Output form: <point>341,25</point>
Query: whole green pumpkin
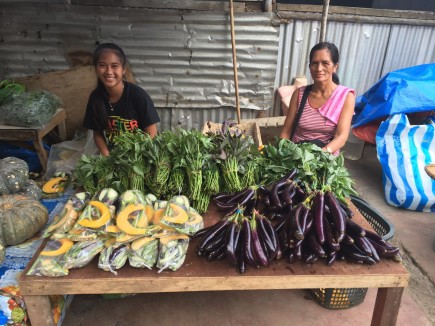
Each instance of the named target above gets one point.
<point>14,173</point>
<point>20,218</point>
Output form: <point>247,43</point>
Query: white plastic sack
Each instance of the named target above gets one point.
<point>403,151</point>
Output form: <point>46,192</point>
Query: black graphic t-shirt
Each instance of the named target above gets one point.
<point>135,109</point>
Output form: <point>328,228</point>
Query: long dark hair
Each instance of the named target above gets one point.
<point>335,56</point>
<point>100,92</point>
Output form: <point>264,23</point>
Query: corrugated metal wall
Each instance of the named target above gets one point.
<point>183,58</point>
<point>367,51</point>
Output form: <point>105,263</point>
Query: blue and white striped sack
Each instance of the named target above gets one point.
<point>403,151</point>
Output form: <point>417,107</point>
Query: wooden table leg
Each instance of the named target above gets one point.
<point>42,154</point>
<point>387,306</point>
<point>39,310</point>
<point>62,130</point>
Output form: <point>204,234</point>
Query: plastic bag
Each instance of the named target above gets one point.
<point>63,157</point>
<point>403,151</point>
<point>51,265</point>
<point>172,251</point>
<point>82,253</point>
<point>30,109</point>
<point>113,257</point>
<point>143,253</point>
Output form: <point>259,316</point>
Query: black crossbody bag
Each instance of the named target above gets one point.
<point>298,116</point>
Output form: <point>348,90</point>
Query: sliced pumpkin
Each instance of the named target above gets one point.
<point>112,229</point>
<point>102,220</point>
<point>194,217</point>
<point>139,243</point>
<point>157,217</point>
<point>149,211</point>
<point>55,185</point>
<point>66,245</point>
<point>175,214</point>
<point>109,242</point>
<point>123,223</point>
<point>166,239</point>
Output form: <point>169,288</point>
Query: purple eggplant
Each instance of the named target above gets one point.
<point>232,237</point>
<point>316,247</point>
<point>363,246</point>
<point>248,252</point>
<point>210,235</point>
<point>355,229</point>
<point>318,209</point>
<point>329,237</point>
<point>256,244</point>
<point>336,213</point>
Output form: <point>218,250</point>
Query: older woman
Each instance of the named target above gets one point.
<point>326,115</point>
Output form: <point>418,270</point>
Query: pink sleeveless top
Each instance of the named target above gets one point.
<point>321,123</point>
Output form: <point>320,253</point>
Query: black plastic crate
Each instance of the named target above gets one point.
<point>343,298</point>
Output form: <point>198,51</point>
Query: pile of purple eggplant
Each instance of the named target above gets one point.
<point>286,220</point>
<point>241,240</point>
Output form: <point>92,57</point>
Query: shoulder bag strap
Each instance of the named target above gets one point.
<point>301,108</point>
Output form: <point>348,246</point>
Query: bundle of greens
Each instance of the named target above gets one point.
<point>236,157</point>
<point>317,170</point>
<point>128,157</point>
<point>158,163</point>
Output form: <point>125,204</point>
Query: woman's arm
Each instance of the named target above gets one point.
<point>151,130</point>
<point>290,117</point>
<point>344,124</point>
<point>100,141</point>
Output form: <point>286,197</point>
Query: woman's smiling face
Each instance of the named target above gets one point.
<point>109,69</point>
<point>321,66</point>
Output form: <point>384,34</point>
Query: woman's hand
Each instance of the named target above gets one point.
<point>100,141</point>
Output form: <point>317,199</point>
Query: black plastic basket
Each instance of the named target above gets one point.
<point>343,298</point>
<point>379,223</point>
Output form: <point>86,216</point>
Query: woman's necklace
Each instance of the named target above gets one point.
<point>112,106</point>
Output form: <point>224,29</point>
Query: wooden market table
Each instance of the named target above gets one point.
<point>197,274</point>
<point>15,133</point>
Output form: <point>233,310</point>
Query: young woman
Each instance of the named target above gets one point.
<point>115,105</point>
<point>329,108</point>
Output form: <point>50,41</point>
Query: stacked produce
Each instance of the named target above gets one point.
<point>131,227</point>
<point>280,200</point>
<point>308,208</point>
<point>174,163</point>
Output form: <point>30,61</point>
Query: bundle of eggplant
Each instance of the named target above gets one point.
<point>241,240</point>
<point>286,219</point>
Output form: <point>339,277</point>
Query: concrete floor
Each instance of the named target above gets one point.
<point>415,233</point>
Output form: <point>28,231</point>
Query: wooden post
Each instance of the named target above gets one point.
<point>233,45</point>
<point>324,20</point>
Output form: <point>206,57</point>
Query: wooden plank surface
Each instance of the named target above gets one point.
<point>197,274</point>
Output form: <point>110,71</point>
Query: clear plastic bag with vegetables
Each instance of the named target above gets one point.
<point>113,257</point>
<point>30,109</point>
<point>50,261</point>
<point>172,251</point>
<point>82,253</point>
<point>69,214</point>
<point>144,252</point>
<point>96,216</point>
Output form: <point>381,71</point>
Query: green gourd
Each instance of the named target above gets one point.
<point>20,218</point>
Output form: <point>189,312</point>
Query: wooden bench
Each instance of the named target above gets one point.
<point>20,134</point>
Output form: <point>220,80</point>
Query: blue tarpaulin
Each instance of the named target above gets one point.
<point>406,90</point>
